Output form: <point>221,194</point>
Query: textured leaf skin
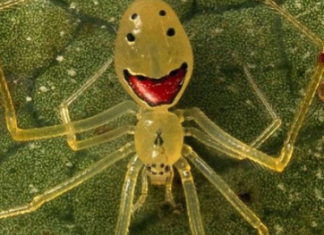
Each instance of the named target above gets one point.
<point>35,36</point>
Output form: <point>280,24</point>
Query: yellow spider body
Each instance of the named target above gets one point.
<point>154,63</point>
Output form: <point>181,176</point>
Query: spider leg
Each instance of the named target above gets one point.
<point>144,192</point>
<point>131,107</point>
<point>71,183</point>
<point>168,189</point>
<point>234,145</point>
<point>309,96</point>
<point>127,196</point>
<point>276,122</point>
<point>11,3</point>
<point>313,84</point>
<point>218,183</point>
<point>57,130</point>
<point>195,221</point>
<point>209,141</point>
<point>308,33</point>
<point>103,138</point>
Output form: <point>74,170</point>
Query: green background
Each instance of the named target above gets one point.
<point>224,35</point>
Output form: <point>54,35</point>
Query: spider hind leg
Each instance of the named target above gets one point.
<point>225,190</point>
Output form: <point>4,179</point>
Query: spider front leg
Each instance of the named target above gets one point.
<point>111,114</point>
<point>271,128</point>
<point>276,122</point>
<point>127,196</point>
<point>209,141</point>
<point>318,42</point>
<point>236,147</point>
<point>11,3</point>
<point>71,183</point>
<point>86,124</point>
<point>218,183</point>
<point>232,146</point>
<point>313,84</point>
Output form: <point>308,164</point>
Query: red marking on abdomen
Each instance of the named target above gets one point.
<point>158,91</point>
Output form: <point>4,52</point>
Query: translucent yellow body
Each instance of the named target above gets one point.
<point>154,63</point>
<point>143,47</point>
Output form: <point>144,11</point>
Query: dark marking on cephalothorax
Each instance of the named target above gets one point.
<point>153,169</point>
<point>158,140</point>
<point>148,168</point>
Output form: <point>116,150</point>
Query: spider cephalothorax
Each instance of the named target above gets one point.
<point>158,142</point>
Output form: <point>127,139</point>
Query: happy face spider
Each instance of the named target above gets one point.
<point>155,68</point>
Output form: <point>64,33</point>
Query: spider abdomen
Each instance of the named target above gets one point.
<point>158,142</point>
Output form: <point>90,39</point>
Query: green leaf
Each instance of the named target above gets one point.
<point>50,48</point>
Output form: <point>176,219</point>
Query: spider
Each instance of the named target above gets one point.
<point>154,63</point>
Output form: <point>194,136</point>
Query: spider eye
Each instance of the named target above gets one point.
<point>130,37</point>
<point>162,13</point>
<point>171,32</point>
